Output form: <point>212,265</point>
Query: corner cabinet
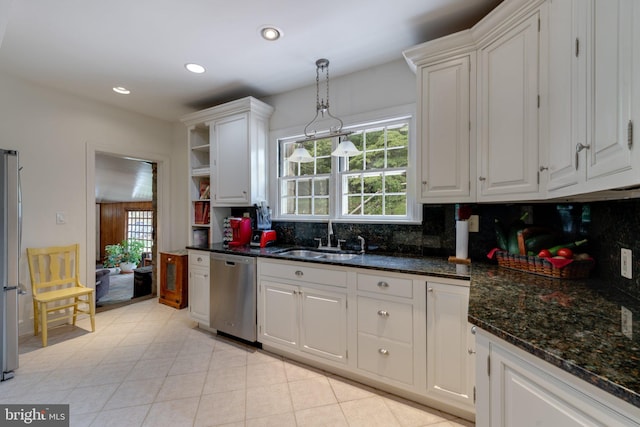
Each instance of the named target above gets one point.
<point>199,287</point>
<point>514,386</point>
<point>227,160</point>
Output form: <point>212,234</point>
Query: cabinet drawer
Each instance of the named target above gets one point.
<point>385,285</point>
<point>302,273</point>
<point>386,319</point>
<point>386,358</point>
<point>199,259</point>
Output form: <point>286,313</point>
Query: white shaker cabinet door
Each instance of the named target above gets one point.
<point>323,324</point>
<point>199,292</point>
<point>444,129</point>
<point>231,152</point>
<point>609,74</point>
<point>508,118</point>
<point>279,313</point>
<point>450,350</point>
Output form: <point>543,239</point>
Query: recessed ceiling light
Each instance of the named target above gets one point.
<point>270,33</point>
<point>195,68</point>
<point>121,90</point>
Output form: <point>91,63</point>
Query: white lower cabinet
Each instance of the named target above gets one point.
<point>294,314</point>
<point>450,344</point>
<point>515,388</point>
<point>373,326</point>
<point>199,287</point>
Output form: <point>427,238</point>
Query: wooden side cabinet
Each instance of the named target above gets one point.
<point>173,279</point>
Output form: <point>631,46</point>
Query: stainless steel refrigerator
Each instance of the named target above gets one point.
<point>10,218</point>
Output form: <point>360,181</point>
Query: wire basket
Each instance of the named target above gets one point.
<point>577,269</point>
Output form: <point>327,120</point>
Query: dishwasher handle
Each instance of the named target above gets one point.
<point>230,263</point>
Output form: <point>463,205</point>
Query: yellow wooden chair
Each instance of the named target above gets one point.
<point>54,278</point>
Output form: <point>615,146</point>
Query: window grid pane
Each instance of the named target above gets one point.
<point>140,227</point>
<point>373,183</point>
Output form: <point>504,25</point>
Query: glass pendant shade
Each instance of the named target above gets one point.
<point>300,155</point>
<point>346,148</point>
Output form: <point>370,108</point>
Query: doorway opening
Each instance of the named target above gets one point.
<point>126,209</point>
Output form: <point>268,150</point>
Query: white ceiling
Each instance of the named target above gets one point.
<point>86,47</point>
<point>122,180</point>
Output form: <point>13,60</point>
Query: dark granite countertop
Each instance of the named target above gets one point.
<point>572,324</point>
<point>437,267</point>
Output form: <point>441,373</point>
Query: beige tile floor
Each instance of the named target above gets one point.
<point>149,365</point>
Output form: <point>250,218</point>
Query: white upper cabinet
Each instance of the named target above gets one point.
<point>239,153</point>
<point>444,129</point>
<point>238,133</point>
<point>566,91</point>
<point>508,81</point>
<point>592,49</point>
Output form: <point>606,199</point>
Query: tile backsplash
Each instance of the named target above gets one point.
<point>608,226</point>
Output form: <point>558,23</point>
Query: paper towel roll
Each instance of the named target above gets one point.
<point>462,239</point>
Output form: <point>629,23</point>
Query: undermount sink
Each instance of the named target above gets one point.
<point>309,253</point>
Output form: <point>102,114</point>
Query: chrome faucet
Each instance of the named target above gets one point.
<point>329,237</point>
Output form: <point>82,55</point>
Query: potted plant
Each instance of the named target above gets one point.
<point>126,255</point>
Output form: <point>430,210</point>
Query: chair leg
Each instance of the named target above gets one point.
<point>77,301</point>
<point>36,318</point>
<point>43,317</point>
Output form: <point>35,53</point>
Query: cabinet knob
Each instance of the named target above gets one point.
<point>482,178</point>
<point>474,329</point>
<point>471,351</point>
<point>383,351</point>
<point>383,284</point>
<point>430,289</point>
<point>169,259</point>
<point>383,313</point>
<point>299,273</point>
<point>544,168</point>
<point>199,259</point>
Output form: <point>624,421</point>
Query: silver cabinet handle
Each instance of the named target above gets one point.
<point>382,284</point>
<point>579,148</point>
<point>383,313</point>
<point>299,273</point>
<point>474,329</point>
<point>383,351</point>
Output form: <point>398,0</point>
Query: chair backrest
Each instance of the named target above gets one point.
<point>53,267</point>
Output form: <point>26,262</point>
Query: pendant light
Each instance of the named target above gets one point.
<point>345,147</point>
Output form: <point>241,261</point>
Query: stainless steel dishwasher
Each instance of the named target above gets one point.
<point>233,295</point>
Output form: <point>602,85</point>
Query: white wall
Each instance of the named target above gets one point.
<point>372,94</point>
<point>56,135</point>
<point>376,88</point>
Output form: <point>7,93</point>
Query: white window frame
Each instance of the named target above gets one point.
<point>372,119</point>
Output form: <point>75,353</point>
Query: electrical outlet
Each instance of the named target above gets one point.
<point>474,224</point>
<point>626,319</point>
<point>626,263</point>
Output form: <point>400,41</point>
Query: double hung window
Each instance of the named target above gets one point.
<point>372,186</point>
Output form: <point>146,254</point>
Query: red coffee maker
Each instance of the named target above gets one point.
<point>241,231</point>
